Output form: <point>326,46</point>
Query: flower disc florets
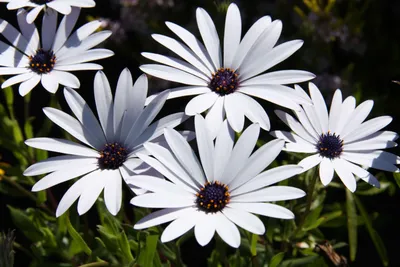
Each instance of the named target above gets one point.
<point>41,2</point>
<point>112,156</point>
<point>224,81</point>
<point>330,145</point>
<point>212,197</point>
<point>42,62</point>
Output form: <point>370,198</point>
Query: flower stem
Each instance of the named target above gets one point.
<point>310,193</point>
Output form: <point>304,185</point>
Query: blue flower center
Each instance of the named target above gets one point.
<point>41,2</point>
<point>212,197</point>
<point>224,81</point>
<point>42,62</point>
<point>112,156</point>
<point>330,145</point>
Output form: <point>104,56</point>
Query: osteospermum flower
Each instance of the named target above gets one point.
<point>109,153</point>
<point>48,60</point>
<point>62,6</point>
<point>341,140</point>
<point>226,189</point>
<point>226,85</point>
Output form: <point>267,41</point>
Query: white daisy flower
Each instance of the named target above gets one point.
<point>224,189</point>
<point>340,140</point>
<point>62,6</point>
<point>109,153</point>
<point>50,59</point>
<point>225,86</point>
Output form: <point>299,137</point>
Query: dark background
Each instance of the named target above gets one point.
<point>355,46</point>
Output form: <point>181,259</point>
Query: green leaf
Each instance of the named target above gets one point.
<point>376,239</point>
<point>351,224</point>
<point>253,248</point>
<point>373,190</point>
<point>397,178</point>
<point>124,246</point>
<point>147,253</point>
<point>25,224</point>
<point>75,235</point>
<point>276,259</point>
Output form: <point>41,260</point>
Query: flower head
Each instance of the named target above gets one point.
<point>110,149</point>
<point>226,84</point>
<point>50,58</point>
<point>341,140</point>
<point>224,189</point>
<point>62,6</point>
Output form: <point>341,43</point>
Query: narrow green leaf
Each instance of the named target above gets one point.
<point>25,224</point>
<point>276,259</point>
<point>351,224</point>
<point>376,239</point>
<point>397,178</point>
<point>147,253</point>
<point>75,235</point>
<point>124,246</point>
<point>253,248</point>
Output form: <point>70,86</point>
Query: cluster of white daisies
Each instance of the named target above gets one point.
<point>226,185</point>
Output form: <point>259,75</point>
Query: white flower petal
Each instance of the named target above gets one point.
<point>89,195</point>
<point>50,82</point>
<point>13,71</point>
<point>172,74</point>
<point>157,185</point>
<point>201,103</point>
<point>357,117</point>
<point>210,36</point>
<point>91,55</point>
<point>320,107</point>
<point>296,127</point>
<point>373,143</point>
<point>362,173</point>
<point>77,67</point>
<point>334,112</point>
<point>182,91</point>
<point>272,193</point>
<point>206,147</point>
<point>61,146</point>
<point>15,37</point>
<point>18,79</point>
<point>57,164</point>
<point>66,78</point>
<point>369,127</point>
<point>29,31</point>
<point>257,162</point>
<point>104,104</point>
<point>60,7</point>
<point>234,111</point>
<point>255,112</point>
<point>326,171</point>
<point>112,190</point>
<point>265,209</point>
<point>205,228</point>
<point>124,85</point>
<point>180,226</point>
<point>185,155</point>
<point>176,63</point>
<point>267,178</point>
<point>27,86</point>
<point>223,147</point>
<point>227,230</point>
<point>32,15</point>
<point>249,39</point>
<point>346,111</point>
<point>85,115</point>
<point>61,176</point>
<point>161,216</point>
<point>310,162</point>
<point>345,174</point>
<point>215,117</point>
<point>81,34</point>
<point>245,220</point>
<point>183,51</point>
<point>65,29</point>
<point>49,27</point>
<point>270,59</point>
<point>371,160</point>
<point>240,153</point>
<point>190,40</point>
<point>280,77</point>
<point>162,200</point>
<point>232,34</point>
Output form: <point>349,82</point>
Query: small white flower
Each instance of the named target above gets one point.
<point>50,58</point>
<point>62,6</point>
<point>226,85</point>
<point>341,139</point>
<point>111,145</point>
<point>222,191</point>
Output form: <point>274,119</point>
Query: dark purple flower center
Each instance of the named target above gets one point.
<point>112,156</point>
<point>42,62</point>
<point>41,2</point>
<point>224,81</point>
<point>212,197</point>
<point>330,145</point>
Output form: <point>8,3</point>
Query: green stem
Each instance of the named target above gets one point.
<point>95,264</point>
<point>310,193</point>
<point>25,192</point>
